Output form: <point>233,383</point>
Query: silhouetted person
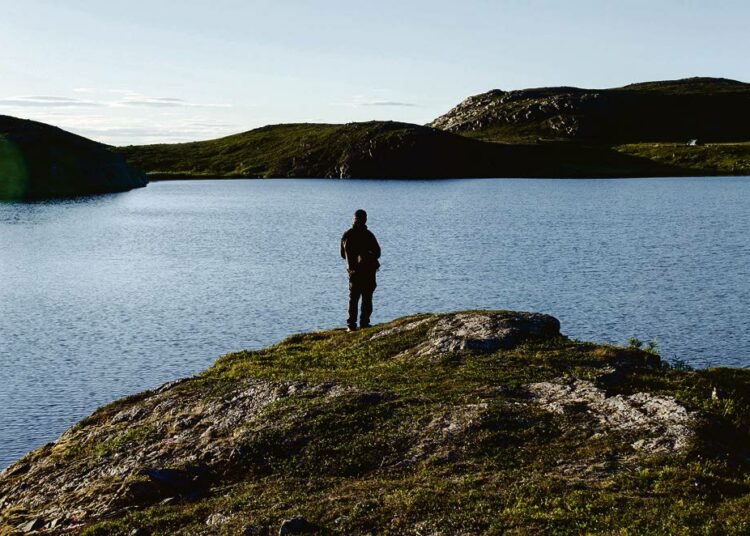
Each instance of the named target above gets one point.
<point>361,250</point>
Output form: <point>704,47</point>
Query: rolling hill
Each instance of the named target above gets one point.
<point>379,149</point>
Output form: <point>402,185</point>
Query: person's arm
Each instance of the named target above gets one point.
<point>347,254</point>
<point>375,246</point>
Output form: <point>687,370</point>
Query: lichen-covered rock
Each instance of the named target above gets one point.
<point>662,423</point>
<point>165,444</point>
<point>444,432</point>
<point>486,331</point>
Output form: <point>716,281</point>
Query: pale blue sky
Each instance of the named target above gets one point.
<point>146,71</point>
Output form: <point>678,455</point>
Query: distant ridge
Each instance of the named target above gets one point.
<point>695,84</point>
<point>40,161</point>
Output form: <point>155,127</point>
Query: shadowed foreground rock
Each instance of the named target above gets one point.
<point>463,423</point>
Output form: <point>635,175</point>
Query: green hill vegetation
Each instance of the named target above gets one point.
<point>41,161</point>
<point>709,159</point>
<point>383,150</point>
<point>373,149</point>
<point>480,422</point>
<point>637,130</point>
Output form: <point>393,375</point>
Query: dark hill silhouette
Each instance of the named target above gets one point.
<point>41,161</point>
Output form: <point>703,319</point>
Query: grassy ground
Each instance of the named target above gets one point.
<point>709,159</point>
<point>376,460</point>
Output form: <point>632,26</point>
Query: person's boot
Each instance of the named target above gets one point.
<point>349,329</point>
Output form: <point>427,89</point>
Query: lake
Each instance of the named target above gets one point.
<point>105,296</point>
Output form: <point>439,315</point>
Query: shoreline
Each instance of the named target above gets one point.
<point>166,177</point>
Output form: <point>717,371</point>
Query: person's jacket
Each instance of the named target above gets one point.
<point>360,249</point>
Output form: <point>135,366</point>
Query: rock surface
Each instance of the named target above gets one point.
<point>171,428</point>
<point>486,331</point>
<point>660,423</point>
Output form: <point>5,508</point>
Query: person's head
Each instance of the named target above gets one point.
<point>360,217</point>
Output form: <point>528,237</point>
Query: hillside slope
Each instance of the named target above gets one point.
<point>373,149</point>
<point>41,161</point>
<point>707,109</point>
<point>380,149</point>
<point>467,423</point>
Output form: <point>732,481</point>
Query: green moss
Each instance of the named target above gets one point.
<point>129,439</point>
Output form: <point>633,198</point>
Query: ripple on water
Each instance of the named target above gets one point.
<point>105,296</point>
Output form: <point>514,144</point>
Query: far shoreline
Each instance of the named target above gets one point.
<point>158,177</point>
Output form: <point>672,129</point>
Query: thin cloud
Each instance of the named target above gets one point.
<point>388,103</point>
<point>361,101</point>
<point>124,98</point>
<point>46,101</point>
<point>128,131</point>
<point>164,102</point>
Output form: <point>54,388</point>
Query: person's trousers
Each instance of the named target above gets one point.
<point>363,289</point>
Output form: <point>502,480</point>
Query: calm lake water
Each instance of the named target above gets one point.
<point>105,296</point>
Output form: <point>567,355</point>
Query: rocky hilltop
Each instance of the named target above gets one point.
<point>706,109</point>
<point>465,423</point>
<point>42,161</point>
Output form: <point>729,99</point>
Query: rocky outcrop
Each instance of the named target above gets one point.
<point>40,161</point>
<point>559,108</point>
<point>388,429</point>
<point>486,331</point>
<point>705,108</point>
<point>182,441</point>
<point>659,424</point>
